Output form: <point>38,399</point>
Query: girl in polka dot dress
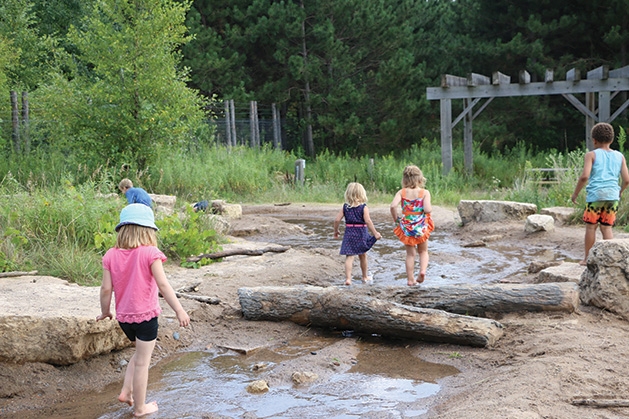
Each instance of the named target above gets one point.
<point>356,240</point>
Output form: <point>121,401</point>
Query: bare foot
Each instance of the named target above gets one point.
<point>583,262</point>
<point>147,410</point>
<point>348,282</point>
<point>411,283</point>
<point>421,278</point>
<point>367,279</point>
<point>125,397</point>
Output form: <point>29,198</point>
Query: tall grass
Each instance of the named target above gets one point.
<point>53,217</point>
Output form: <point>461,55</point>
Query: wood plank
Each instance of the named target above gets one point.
<point>500,78</point>
<point>573,74</point>
<point>549,76</point>
<point>531,89</point>
<point>342,308</point>
<point>524,77</point>
<point>600,73</point>
<point>622,72</point>
<point>448,80</point>
<point>475,79</point>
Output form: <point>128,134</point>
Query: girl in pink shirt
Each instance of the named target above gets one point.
<point>133,271</point>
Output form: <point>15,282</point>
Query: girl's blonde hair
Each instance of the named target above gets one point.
<point>131,236</point>
<point>355,194</point>
<point>413,177</point>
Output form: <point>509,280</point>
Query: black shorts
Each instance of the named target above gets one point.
<point>145,331</point>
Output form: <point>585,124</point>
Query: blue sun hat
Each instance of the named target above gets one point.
<point>138,214</point>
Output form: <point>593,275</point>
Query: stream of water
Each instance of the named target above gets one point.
<point>387,381</point>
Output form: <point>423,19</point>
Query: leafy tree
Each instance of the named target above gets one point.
<point>126,98</point>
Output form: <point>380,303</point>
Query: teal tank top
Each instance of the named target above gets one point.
<point>603,183</point>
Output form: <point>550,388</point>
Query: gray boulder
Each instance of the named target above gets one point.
<point>491,211</point>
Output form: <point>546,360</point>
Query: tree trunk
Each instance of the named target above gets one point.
<point>233,252</point>
<point>476,300</point>
<point>340,308</point>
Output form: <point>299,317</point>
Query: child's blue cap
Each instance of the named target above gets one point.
<point>138,214</point>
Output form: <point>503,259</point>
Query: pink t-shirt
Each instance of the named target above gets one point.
<point>135,289</point>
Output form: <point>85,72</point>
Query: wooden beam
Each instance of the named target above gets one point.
<point>474,79</point>
<point>449,81</point>
<point>622,72</point>
<point>573,74</point>
<point>549,76</point>
<point>530,89</point>
<point>600,73</point>
<point>499,78</point>
<point>524,77</point>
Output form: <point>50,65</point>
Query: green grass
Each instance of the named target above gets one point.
<point>53,216</point>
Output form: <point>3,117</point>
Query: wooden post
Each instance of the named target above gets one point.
<point>604,106</point>
<point>446,135</point>
<point>228,132</point>
<point>252,124</point>
<point>467,138</point>
<point>277,133</point>
<point>15,117</point>
<point>590,103</point>
<point>300,168</point>
<point>232,122</point>
<point>25,123</point>
<point>256,120</point>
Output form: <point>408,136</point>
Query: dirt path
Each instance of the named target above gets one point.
<point>538,367</point>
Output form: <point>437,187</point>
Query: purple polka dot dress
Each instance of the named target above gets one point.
<point>356,239</point>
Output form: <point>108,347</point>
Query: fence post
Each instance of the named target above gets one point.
<point>25,123</point>
<point>232,121</point>
<point>15,117</point>
<point>300,168</point>
<point>228,132</point>
<point>277,135</point>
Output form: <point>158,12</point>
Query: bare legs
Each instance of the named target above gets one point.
<point>590,238</point>
<point>422,250</point>
<point>349,262</point>
<point>136,379</point>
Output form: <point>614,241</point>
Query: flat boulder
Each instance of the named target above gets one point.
<point>46,319</point>
<point>565,272</point>
<point>562,215</point>
<point>605,281</point>
<point>492,211</point>
<point>164,203</point>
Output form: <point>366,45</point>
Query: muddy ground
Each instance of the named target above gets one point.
<point>541,365</point>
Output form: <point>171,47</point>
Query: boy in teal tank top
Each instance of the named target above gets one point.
<point>601,169</point>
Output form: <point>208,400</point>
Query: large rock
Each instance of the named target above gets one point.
<point>566,272</point>
<point>539,222</point>
<point>46,319</point>
<point>490,211</point>
<point>562,215</point>
<point>164,203</point>
<point>605,282</point>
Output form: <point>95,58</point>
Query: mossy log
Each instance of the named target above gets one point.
<point>344,309</point>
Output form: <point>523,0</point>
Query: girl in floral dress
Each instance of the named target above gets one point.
<point>413,228</point>
<point>356,240</point>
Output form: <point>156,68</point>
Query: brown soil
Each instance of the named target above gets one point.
<point>536,370</point>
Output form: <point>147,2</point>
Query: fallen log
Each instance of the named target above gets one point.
<point>200,298</point>
<point>340,308</point>
<point>16,273</point>
<point>477,300</point>
<point>601,402</point>
<point>234,252</point>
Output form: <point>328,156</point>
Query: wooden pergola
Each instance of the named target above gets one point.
<point>600,86</point>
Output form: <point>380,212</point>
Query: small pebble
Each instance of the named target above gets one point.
<point>176,335</point>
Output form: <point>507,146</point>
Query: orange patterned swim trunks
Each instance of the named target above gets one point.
<point>603,212</point>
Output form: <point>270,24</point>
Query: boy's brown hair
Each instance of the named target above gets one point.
<point>125,184</point>
<point>603,133</point>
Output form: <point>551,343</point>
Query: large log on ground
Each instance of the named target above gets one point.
<point>477,300</point>
<point>342,308</point>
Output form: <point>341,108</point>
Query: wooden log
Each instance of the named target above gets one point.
<point>477,300</point>
<point>200,298</point>
<point>339,308</point>
<point>16,273</point>
<point>234,252</point>
<point>601,402</point>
